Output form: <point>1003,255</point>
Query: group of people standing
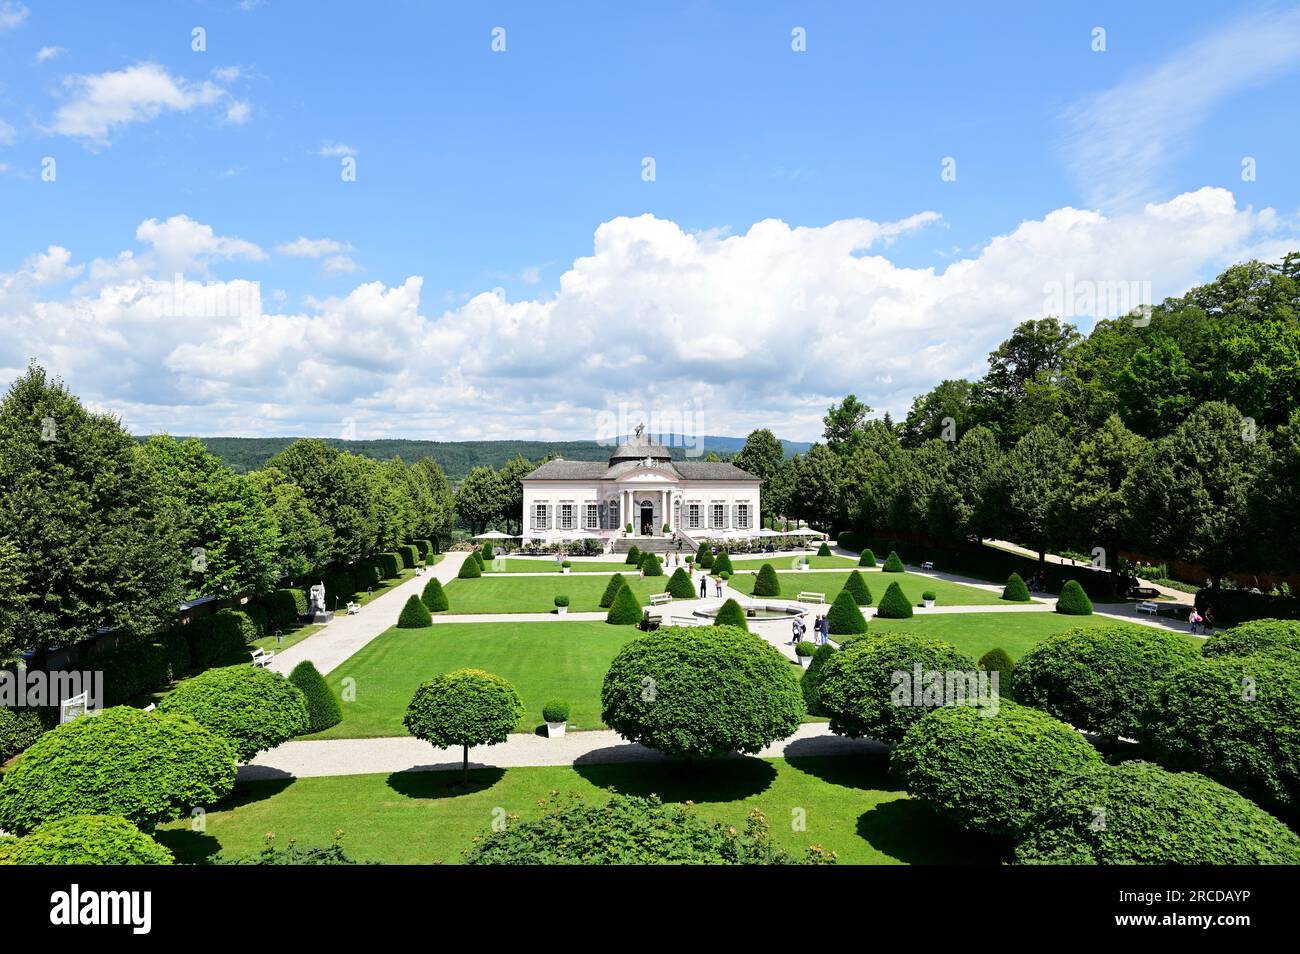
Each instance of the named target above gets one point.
<point>821,630</point>
<point>1201,621</point>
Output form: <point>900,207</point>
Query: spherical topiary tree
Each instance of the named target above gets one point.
<point>464,707</point>
<point>253,708</point>
<point>1258,637</point>
<point>1015,590</point>
<point>844,617</point>
<point>987,768</point>
<point>679,585</point>
<point>1137,813</point>
<point>323,708</point>
<point>147,767</point>
<point>1073,601</point>
<point>469,570</point>
<point>633,556</point>
<point>857,587</point>
<point>867,558</point>
<point>434,596</point>
<point>704,556</point>
<point>730,614</point>
<point>894,604</point>
<point>722,564</point>
<point>626,608</point>
<point>1233,718</point>
<point>650,565</point>
<point>767,583</point>
<point>415,615</point>
<point>812,677</point>
<point>616,583</point>
<point>999,661</point>
<point>893,564</point>
<point>697,692</point>
<point>1100,679</point>
<point>868,688</point>
<point>85,840</point>
<point>824,550</point>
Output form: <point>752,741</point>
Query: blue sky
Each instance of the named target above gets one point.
<point>478,169</point>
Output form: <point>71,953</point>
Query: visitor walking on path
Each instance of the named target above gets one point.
<point>1207,620</point>
<point>798,629</point>
<point>704,585</point>
<point>824,629</point>
<point>1194,619</point>
<point>717,587</point>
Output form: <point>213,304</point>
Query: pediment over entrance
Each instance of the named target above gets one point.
<point>647,475</point>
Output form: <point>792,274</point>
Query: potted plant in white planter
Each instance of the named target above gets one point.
<point>561,605</point>
<point>564,567</point>
<point>556,716</point>
<point>928,598</point>
<point>805,651</point>
<point>804,564</point>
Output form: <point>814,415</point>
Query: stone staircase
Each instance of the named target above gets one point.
<point>647,544</point>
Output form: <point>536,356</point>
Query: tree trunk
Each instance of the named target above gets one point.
<point>1042,560</point>
<point>465,766</point>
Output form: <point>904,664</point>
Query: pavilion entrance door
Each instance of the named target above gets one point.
<point>647,519</point>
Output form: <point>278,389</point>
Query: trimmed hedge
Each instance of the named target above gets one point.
<point>424,548</point>
<point>1240,606</point>
<point>651,566</point>
<point>1259,637</point>
<point>1073,601</point>
<point>767,583</point>
<point>626,609</point>
<point>824,550</point>
<point>812,678</point>
<point>434,596</point>
<point>730,614</point>
<point>217,638</point>
<point>679,585</point>
<point>285,606</point>
<point>85,840</point>
<point>893,564</point>
<point>323,709</point>
<point>1139,814</point>
<point>19,728</point>
<point>366,575</point>
<point>340,587</point>
<point>410,555</point>
<point>1233,718</point>
<point>1015,591</point>
<point>704,556</point>
<point>616,583</point>
<point>1100,679</point>
<point>415,615</point>
<point>867,559</point>
<point>999,661</point>
<point>844,617</point>
<point>253,708</point>
<point>470,570</point>
<point>132,669</point>
<point>857,587</point>
<point>257,616</point>
<point>390,564</point>
<point>633,556</point>
<point>894,604</point>
<point>722,564</point>
<point>987,769</point>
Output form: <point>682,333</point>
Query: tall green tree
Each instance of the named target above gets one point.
<point>1030,360</point>
<point>1029,480</point>
<point>336,492</point>
<point>478,501</point>
<point>761,456</point>
<point>511,476</point>
<point>963,503</point>
<point>944,409</point>
<point>304,542</point>
<point>844,423</point>
<point>442,501</point>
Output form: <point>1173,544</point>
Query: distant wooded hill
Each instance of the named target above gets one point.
<point>455,457</point>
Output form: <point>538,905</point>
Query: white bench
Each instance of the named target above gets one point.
<point>262,657</point>
<point>685,621</point>
<point>927,565</point>
<point>1148,607</point>
<point>658,599</point>
<point>809,597</point>
<point>354,609</point>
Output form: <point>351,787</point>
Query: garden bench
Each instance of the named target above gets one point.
<point>354,609</point>
<point>927,565</point>
<point>1143,591</point>
<point>1148,607</point>
<point>261,657</point>
<point>658,599</point>
<point>685,621</point>
<point>808,596</point>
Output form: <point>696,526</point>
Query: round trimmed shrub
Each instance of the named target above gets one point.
<point>253,708</point>
<point>323,709</point>
<point>1100,679</point>
<point>730,614</point>
<point>805,648</point>
<point>85,840</point>
<point>697,692</point>
<point>987,768</point>
<point>680,586</point>
<point>147,767</point>
<point>722,564</point>
<point>866,687</point>
<point>633,556</point>
<point>812,677</point>
<point>867,559</point>
<point>555,711</point>
<point>767,583</point>
<point>651,566</point>
<point>415,615</point>
<point>857,587</point>
<point>469,570</point>
<point>561,601</point>
<point>1258,637</point>
<point>616,583</point>
<point>434,596</point>
<point>999,661</point>
<point>893,564</point>
<point>1139,814</point>
<point>844,617</point>
<point>704,556</point>
<point>464,707</point>
<point>1015,591</point>
<point>626,608</point>
<point>824,550</point>
<point>894,604</point>
<point>19,728</point>
<point>1073,601</point>
<point>1235,719</point>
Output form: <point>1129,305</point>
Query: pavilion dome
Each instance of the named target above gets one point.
<point>638,447</point>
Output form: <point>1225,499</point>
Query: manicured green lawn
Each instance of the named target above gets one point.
<point>544,661</point>
<point>787,561</point>
<point>977,633</point>
<point>536,594</point>
<point>950,594</point>
<point>848,803</point>
<point>517,565</point>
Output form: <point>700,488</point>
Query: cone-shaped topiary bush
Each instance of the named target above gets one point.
<point>434,596</point>
<point>812,678</point>
<point>415,615</point>
<point>651,566</point>
<point>1015,590</point>
<point>867,559</point>
<point>633,556</point>
<point>722,564</point>
<point>323,708</point>
<point>767,583</point>
<point>857,587</point>
<point>680,586</point>
<point>844,616</point>
<point>894,604</point>
<point>470,570</point>
<point>824,550</point>
<point>730,614</point>
<point>704,556</point>
<point>626,609</point>
<point>1073,601</point>
<point>997,660</point>
<point>616,583</point>
<point>478,558</point>
<point>488,553</point>
<point>892,563</point>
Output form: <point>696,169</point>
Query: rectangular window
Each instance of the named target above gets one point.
<point>693,516</point>
<point>719,516</point>
<point>566,516</point>
<point>742,516</point>
<point>539,516</point>
<point>593,517</point>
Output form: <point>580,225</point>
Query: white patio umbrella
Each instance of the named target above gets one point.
<point>496,535</point>
<point>802,532</point>
<point>765,532</point>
